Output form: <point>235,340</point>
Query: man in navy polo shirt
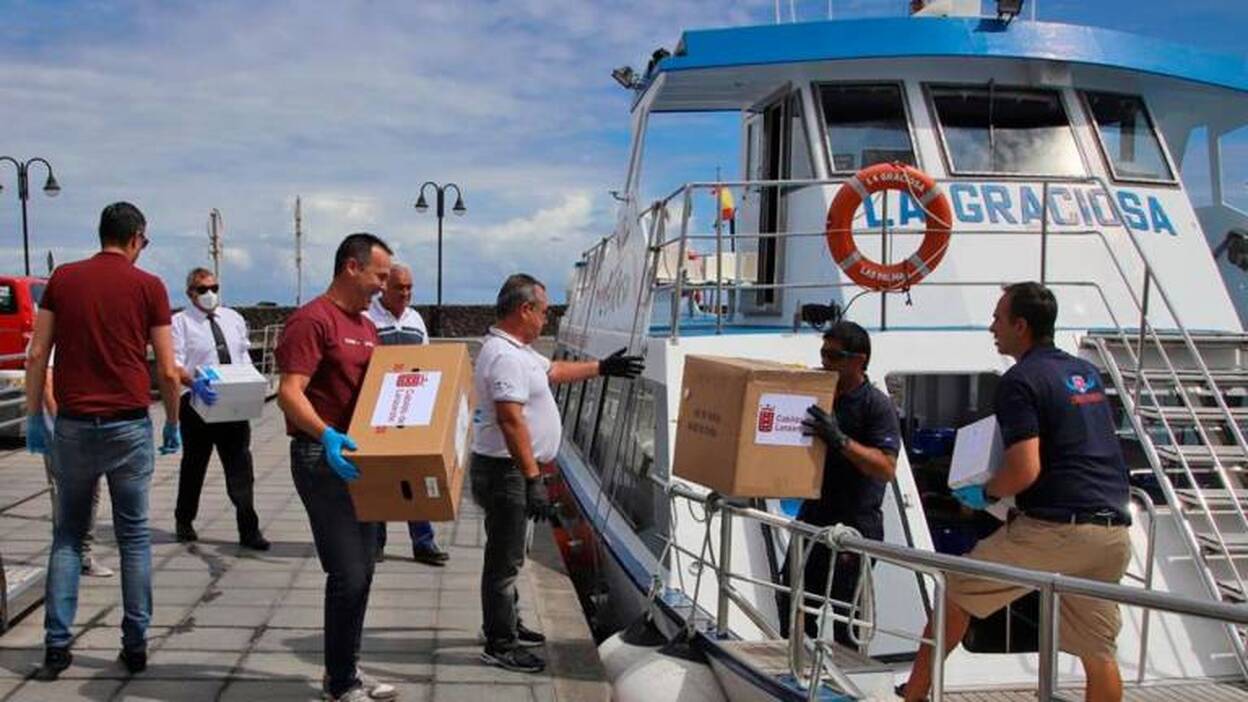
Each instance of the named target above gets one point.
<point>862,435</point>
<point>1064,467</point>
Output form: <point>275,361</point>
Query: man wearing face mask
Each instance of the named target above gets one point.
<point>208,334</point>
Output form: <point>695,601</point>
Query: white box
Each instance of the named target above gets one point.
<point>977,453</point>
<point>240,394</point>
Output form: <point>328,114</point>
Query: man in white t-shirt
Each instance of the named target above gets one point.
<point>398,324</point>
<point>516,428</point>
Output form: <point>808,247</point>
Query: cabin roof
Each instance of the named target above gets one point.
<point>910,37</point>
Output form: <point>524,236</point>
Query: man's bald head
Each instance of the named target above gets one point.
<point>398,293</point>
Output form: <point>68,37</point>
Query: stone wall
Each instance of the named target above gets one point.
<point>457,320</point>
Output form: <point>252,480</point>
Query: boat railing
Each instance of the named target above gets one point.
<point>1051,587</point>
<point>793,11</point>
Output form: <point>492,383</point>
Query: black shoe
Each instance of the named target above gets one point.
<point>430,555</point>
<point>255,542</point>
<point>516,659</point>
<point>900,691</point>
<point>55,660</point>
<point>527,637</point>
<point>186,533</point>
<point>135,660</point>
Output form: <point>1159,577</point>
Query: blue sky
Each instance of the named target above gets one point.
<point>241,105</point>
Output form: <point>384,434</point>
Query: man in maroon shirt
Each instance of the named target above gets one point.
<point>322,356</point>
<point>100,314</point>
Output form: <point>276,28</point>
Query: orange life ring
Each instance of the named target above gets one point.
<point>888,176</point>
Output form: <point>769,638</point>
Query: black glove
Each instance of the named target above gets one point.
<point>536,503</point>
<point>823,425</point>
<point>618,365</point>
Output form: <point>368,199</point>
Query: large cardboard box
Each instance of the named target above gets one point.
<point>977,453</point>
<point>739,427</point>
<point>412,425</point>
<point>240,393</point>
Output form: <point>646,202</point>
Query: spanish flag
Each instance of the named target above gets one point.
<point>727,208</point>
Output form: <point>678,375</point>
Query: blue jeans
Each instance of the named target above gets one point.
<point>124,453</point>
<point>421,533</point>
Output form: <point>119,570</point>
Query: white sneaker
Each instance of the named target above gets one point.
<point>355,694</point>
<point>373,688</point>
<point>94,569</point>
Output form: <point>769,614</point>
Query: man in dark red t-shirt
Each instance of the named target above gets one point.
<point>100,314</point>
<point>322,356</point>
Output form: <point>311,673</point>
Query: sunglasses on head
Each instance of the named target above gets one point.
<point>840,354</point>
<point>201,289</point>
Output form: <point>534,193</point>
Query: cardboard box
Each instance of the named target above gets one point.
<point>412,425</point>
<point>977,453</point>
<point>739,427</point>
<point>240,393</point>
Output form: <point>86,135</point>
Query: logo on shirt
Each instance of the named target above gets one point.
<point>357,342</point>
<point>1083,389</point>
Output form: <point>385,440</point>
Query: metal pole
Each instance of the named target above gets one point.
<point>441,212</point>
<point>719,261</point>
<point>938,638</point>
<point>725,567</point>
<point>1044,231</point>
<point>884,260</point>
<point>797,596</point>
<point>1139,355</point>
<point>298,251</point>
<point>25,232</point>
<point>1049,609</point>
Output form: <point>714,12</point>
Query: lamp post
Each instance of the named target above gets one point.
<point>458,209</point>
<point>51,188</point>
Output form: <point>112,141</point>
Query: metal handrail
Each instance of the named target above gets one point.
<point>1052,586</point>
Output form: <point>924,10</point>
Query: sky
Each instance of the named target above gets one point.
<point>241,105</point>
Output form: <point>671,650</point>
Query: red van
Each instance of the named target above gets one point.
<point>19,299</point>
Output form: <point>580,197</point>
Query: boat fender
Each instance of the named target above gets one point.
<point>874,275</point>
<point>662,678</point>
<point>621,650</point>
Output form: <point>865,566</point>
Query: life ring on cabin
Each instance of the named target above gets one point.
<point>873,179</point>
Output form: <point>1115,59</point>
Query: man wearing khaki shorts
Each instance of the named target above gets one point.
<point>1065,470</point>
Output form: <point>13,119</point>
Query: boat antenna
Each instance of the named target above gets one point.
<point>298,252</point>
<point>215,229</point>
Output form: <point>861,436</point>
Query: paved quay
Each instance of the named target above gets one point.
<point>230,624</point>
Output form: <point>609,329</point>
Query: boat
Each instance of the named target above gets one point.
<point>1065,155</point>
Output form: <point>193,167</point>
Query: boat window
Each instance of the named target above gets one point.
<point>1011,131</point>
<point>8,301</point>
<point>800,167</point>
<point>866,125</point>
<point>1128,138</point>
<point>583,432</point>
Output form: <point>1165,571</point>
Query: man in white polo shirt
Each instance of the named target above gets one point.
<point>397,324</point>
<point>516,428</point>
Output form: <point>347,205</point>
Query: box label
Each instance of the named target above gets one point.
<point>406,399</point>
<point>462,421</point>
<point>779,419</point>
<point>431,488</point>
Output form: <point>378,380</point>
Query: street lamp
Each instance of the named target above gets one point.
<point>458,209</point>
<point>50,188</point>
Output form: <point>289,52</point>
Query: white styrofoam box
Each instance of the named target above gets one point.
<point>240,394</point>
<point>977,453</point>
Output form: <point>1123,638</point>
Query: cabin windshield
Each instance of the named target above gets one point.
<point>1127,137</point>
<point>866,125</point>
<point>1005,131</point>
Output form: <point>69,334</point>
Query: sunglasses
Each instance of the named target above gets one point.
<point>201,289</point>
<point>144,241</point>
<point>839,354</point>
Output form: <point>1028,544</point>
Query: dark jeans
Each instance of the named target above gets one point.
<point>124,453</point>
<point>345,547</point>
<point>233,443</point>
<point>844,581</point>
<point>498,486</point>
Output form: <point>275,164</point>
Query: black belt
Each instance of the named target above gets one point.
<point>122,416</point>
<point>1066,516</point>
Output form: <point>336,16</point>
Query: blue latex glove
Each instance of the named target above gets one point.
<point>37,439</point>
<point>334,442</point>
<point>972,496</point>
<point>201,388</point>
<point>172,439</point>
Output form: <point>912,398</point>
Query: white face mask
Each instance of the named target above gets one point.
<point>209,301</point>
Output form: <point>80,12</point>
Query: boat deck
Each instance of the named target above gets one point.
<point>1193,692</point>
<point>235,625</point>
